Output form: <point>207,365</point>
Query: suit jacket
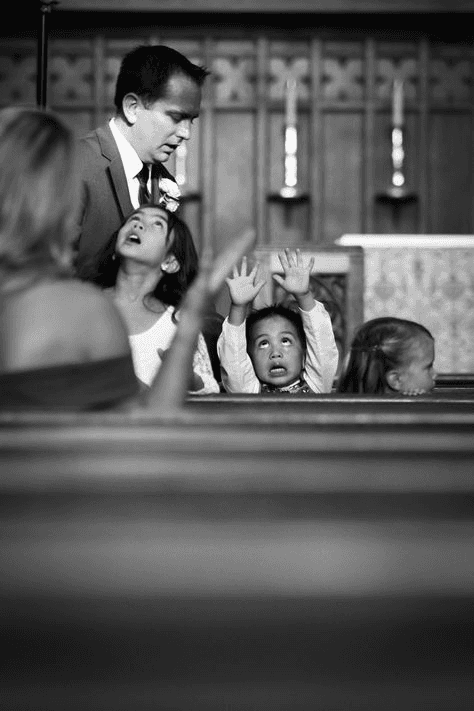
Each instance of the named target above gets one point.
<point>105,201</point>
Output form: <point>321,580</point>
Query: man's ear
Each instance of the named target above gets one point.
<point>393,379</point>
<point>130,104</point>
<point>170,264</point>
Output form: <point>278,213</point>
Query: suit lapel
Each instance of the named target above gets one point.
<point>115,170</point>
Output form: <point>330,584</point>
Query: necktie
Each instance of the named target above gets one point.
<point>143,192</point>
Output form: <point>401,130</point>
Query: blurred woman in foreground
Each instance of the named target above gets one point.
<point>63,344</point>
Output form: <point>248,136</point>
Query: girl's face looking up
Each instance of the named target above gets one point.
<point>417,374</point>
<point>276,351</point>
<point>144,236</point>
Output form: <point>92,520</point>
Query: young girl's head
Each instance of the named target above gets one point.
<point>389,355</point>
<point>276,344</point>
<point>156,238</point>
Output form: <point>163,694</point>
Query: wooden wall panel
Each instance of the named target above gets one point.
<point>450,170</point>
<point>235,158</point>
<point>342,174</point>
<point>234,196</point>
<point>257,6</point>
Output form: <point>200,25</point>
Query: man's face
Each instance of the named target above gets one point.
<point>275,351</point>
<point>160,129</point>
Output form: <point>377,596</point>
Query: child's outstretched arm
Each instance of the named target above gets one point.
<point>243,288</point>
<point>237,373</point>
<point>169,389</point>
<point>322,355</point>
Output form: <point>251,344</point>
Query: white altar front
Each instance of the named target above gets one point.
<point>425,278</point>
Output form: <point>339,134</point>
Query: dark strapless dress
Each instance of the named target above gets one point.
<point>97,385</point>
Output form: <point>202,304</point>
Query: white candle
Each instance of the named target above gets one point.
<point>290,117</point>
<point>291,161</point>
<point>180,165</point>
<point>397,103</point>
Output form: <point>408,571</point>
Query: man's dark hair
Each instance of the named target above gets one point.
<point>146,70</point>
<point>275,310</point>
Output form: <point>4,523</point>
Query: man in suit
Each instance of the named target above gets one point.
<point>157,97</point>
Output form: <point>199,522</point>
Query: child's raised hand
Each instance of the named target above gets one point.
<point>296,273</point>
<point>243,287</point>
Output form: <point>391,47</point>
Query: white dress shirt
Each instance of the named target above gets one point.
<point>132,164</point>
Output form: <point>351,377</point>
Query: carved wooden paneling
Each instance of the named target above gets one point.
<point>235,156</point>
<point>342,157</point>
<point>450,171</point>
<point>257,6</point>
<point>18,73</point>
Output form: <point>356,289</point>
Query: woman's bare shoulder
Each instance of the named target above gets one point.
<point>96,313</point>
<point>71,319</point>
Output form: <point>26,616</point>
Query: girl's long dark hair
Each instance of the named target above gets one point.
<point>103,268</point>
<point>380,345</point>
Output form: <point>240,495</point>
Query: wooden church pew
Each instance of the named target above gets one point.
<point>234,556</point>
<point>455,380</point>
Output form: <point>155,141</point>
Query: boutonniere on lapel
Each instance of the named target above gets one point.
<point>169,194</point>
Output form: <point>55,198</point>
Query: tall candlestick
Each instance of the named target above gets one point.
<point>397,103</point>
<point>291,95</point>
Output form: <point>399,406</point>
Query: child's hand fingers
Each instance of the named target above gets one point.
<point>290,257</point>
<point>255,272</point>
<point>282,256</point>
<point>243,267</point>
<point>311,264</point>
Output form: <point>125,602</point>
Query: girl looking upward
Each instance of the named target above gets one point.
<point>276,349</point>
<point>147,267</point>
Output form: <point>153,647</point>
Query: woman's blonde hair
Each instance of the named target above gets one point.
<point>39,192</point>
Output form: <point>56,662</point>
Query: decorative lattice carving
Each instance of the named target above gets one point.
<point>342,79</point>
<point>330,290</point>
<point>450,80</point>
<point>70,79</point>
<point>18,78</point>
<point>281,70</point>
<point>233,80</point>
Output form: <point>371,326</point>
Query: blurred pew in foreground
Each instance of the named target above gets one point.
<point>240,555</point>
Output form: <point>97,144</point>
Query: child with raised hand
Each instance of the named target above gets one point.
<point>389,355</point>
<point>277,349</point>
